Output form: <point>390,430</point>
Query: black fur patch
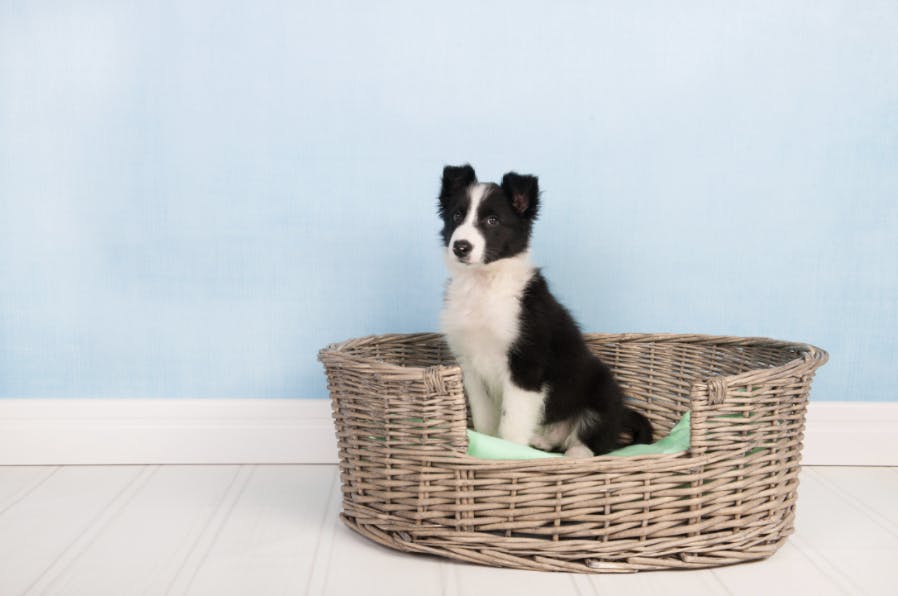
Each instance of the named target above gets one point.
<point>550,352</point>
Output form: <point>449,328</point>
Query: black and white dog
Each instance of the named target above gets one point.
<point>528,374</point>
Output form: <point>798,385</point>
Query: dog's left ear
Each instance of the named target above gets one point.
<point>523,192</point>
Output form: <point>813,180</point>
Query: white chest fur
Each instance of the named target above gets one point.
<point>481,316</point>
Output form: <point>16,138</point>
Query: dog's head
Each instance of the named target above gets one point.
<point>486,222</point>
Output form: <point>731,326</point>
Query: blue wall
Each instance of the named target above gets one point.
<point>194,199</point>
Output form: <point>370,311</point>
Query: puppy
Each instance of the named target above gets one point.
<point>528,374</point>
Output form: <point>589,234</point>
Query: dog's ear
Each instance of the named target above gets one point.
<point>456,178</point>
<point>523,191</point>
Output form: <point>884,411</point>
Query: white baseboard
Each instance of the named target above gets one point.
<point>166,431</point>
<point>851,434</point>
<point>280,431</point>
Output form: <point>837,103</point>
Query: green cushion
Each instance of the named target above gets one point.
<point>487,447</point>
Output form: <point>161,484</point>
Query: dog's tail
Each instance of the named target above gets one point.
<point>638,426</point>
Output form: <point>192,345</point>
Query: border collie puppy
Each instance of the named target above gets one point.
<point>528,373</point>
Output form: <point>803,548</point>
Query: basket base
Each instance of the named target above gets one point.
<point>459,550</point>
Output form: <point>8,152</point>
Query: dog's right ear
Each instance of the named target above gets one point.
<point>456,178</point>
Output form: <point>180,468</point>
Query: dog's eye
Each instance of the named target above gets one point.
<point>457,216</point>
<point>492,220</point>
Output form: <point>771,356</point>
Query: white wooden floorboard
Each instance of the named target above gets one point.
<point>699,582</point>
<point>18,481</point>
<point>872,490</point>
<point>38,530</point>
<point>865,570</point>
<point>826,519</point>
<point>787,572</point>
<point>142,549</point>
<point>48,582</point>
<point>269,543</point>
<point>187,570</point>
<point>476,580</point>
<point>359,566</point>
<point>120,530</point>
<point>324,548</point>
<point>449,577</point>
<point>846,523</point>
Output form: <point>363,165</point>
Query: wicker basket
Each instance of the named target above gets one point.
<point>400,416</point>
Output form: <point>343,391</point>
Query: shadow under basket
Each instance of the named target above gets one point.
<point>408,483</point>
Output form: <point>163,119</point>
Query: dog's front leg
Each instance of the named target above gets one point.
<point>522,411</point>
<point>484,409</point>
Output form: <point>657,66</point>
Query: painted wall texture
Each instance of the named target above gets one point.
<point>196,197</point>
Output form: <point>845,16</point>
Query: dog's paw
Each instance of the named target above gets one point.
<point>541,443</point>
<point>578,452</point>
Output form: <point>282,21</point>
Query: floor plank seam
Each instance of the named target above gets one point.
<point>718,581</point>
<point>448,579</point>
<point>583,586</point>
<point>24,493</point>
<point>855,502</point>
<point>220,524</point>
<point>196,550</point>
<point>828,568</point>
<point>324,549</point>
<point>91,531</point>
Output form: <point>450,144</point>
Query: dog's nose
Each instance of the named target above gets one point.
<point>461,248</point>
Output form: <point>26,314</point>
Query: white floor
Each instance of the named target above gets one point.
<point>258,530</point>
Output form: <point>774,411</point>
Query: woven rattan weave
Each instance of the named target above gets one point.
<point>400,417</point>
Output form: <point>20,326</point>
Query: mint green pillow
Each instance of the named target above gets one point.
<point>484,446</point>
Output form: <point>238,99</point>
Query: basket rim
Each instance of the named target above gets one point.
<point>808,354</point>
<point>714,388</point>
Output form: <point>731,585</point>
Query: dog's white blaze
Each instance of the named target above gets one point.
<point>468,230</point>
